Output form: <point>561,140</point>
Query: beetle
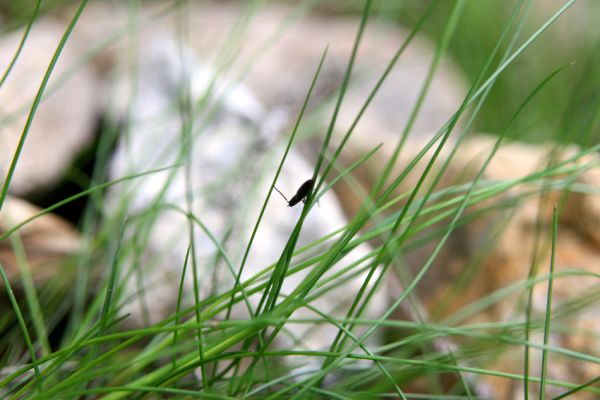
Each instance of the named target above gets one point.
<point>301,195</point>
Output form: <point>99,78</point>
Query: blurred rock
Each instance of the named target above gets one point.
<point>275,50</point>
<point>65,121</point>
<point>233,154</point>
<point>281,48</point>
<point>495,251</point>
<point>48,241</point>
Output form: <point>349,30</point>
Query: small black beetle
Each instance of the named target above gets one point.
<point>302,193</point>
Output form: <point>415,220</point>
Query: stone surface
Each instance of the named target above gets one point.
<point>66,119</point>
<point>275,51</point>
<point>280,49</point>
<point>47,241</point>
<point>494,251</point>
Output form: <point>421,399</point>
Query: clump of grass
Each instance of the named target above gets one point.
<point>95,358</point>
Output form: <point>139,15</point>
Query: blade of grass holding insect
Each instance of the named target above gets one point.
<point>548,316</point>
<point>286,255</point>
<point>37,100</point>
<point>23,326</point>
<point>301,292</point>
<point>427,265</point>
<point>311,196</point>
<point>269,193</point>
<point>272,301</point>
<point>277,173</point>
<point>13,61</point>
<point>270,295</point>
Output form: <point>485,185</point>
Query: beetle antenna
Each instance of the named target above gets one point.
<point>282,195</point>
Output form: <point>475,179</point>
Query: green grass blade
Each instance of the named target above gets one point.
<point>23,327</point>
<point>548,306</point>
<point>31,295</point>
<point>112,282</point>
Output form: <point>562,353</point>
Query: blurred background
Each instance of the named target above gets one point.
<point>569,103</point>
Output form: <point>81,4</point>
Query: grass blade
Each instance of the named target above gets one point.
<point>548,307</point>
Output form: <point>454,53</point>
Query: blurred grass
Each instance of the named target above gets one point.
<point>571,102</point>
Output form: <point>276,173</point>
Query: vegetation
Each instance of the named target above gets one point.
<point>64,341</point>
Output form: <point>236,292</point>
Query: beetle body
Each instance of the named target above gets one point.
<point>302,193</point>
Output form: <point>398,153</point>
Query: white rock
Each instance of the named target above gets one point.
<point>233,160</point>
